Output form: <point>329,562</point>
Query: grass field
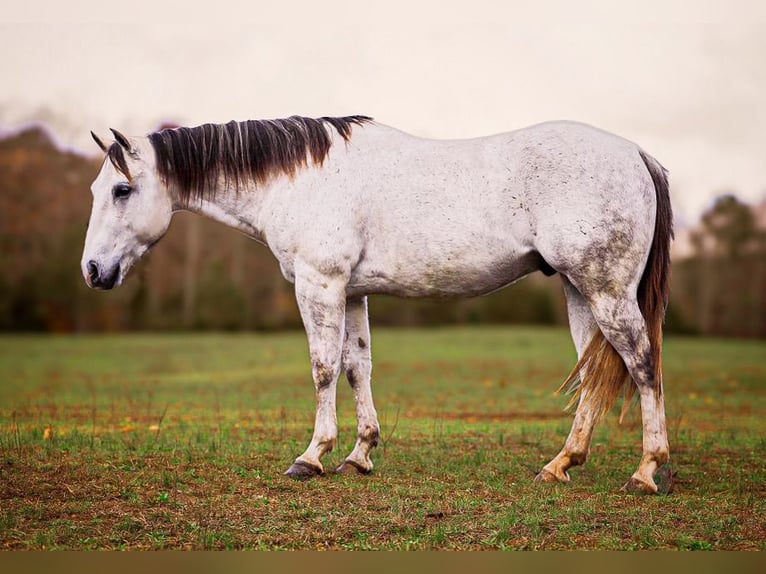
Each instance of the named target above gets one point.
<point>180,441</point>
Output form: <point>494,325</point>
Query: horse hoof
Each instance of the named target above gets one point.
<point>548,476</point>
<point>351,467</point>
<point>636,486</point>
<point>303,471</point>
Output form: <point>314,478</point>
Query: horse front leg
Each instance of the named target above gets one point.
<point>322,304</point>
<point>357,363</point>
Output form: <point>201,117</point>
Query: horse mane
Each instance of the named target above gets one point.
<point>190,161</point>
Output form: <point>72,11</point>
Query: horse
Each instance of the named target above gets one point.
<point>351,208</point>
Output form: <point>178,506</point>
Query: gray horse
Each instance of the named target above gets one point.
<point>352,208</point>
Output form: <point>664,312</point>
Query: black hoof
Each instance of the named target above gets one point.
<point>636,486</point>
<point>547,476</point>
<point>303,471</point>
<point>351,467</point>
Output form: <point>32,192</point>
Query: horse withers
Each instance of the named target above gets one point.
<point>351,208</point>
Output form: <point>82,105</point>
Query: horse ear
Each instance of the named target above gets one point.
<point>98,142</point>
<point>122,140</point>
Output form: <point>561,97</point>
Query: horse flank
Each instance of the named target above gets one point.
<point>191,160</point>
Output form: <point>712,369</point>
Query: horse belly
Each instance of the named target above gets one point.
<point>437,274</point>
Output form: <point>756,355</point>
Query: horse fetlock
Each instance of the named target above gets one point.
<point>651,461</point>
<point>556,470</point>
<point>369,434</point>
<point>661,456</point>
<point>327,445</point>
<point>577,458</point>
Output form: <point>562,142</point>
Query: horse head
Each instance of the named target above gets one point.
<point>131,211</point>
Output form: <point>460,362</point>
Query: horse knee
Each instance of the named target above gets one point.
<point>324,375</point>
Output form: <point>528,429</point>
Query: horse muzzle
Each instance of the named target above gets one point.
<point>99,278</point>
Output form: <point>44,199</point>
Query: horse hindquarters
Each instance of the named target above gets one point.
<point>625,352</point>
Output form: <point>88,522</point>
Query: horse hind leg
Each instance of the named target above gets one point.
<point>577,446</point>
<point>624,327</point>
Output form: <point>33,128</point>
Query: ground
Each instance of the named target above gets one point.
<point>180,441</point>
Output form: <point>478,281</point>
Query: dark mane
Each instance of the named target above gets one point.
<point>191,160</point>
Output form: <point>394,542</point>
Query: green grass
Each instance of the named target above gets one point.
<point>180,441</point>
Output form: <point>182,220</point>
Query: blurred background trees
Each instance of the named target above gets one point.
<point>206,276</point>
<point>719,288</point>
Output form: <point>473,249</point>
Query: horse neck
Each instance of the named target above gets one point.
<point>238,209</point>
<point>247,209</point>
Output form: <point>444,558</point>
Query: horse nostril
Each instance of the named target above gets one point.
<point>92,271</point>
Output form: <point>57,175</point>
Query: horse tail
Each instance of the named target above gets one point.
<point>602,391</point>
<point>654,288</point>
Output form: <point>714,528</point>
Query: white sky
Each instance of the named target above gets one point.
<point>685,80</point>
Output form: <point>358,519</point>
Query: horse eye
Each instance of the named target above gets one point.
<point>121,190</point>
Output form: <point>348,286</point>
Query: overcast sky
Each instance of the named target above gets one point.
<point>686,80</point>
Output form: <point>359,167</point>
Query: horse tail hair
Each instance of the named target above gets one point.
<point>602,390</point>
<point>654,288</point>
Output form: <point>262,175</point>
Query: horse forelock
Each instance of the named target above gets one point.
<point>191,160</point>
<point>116,155</point>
